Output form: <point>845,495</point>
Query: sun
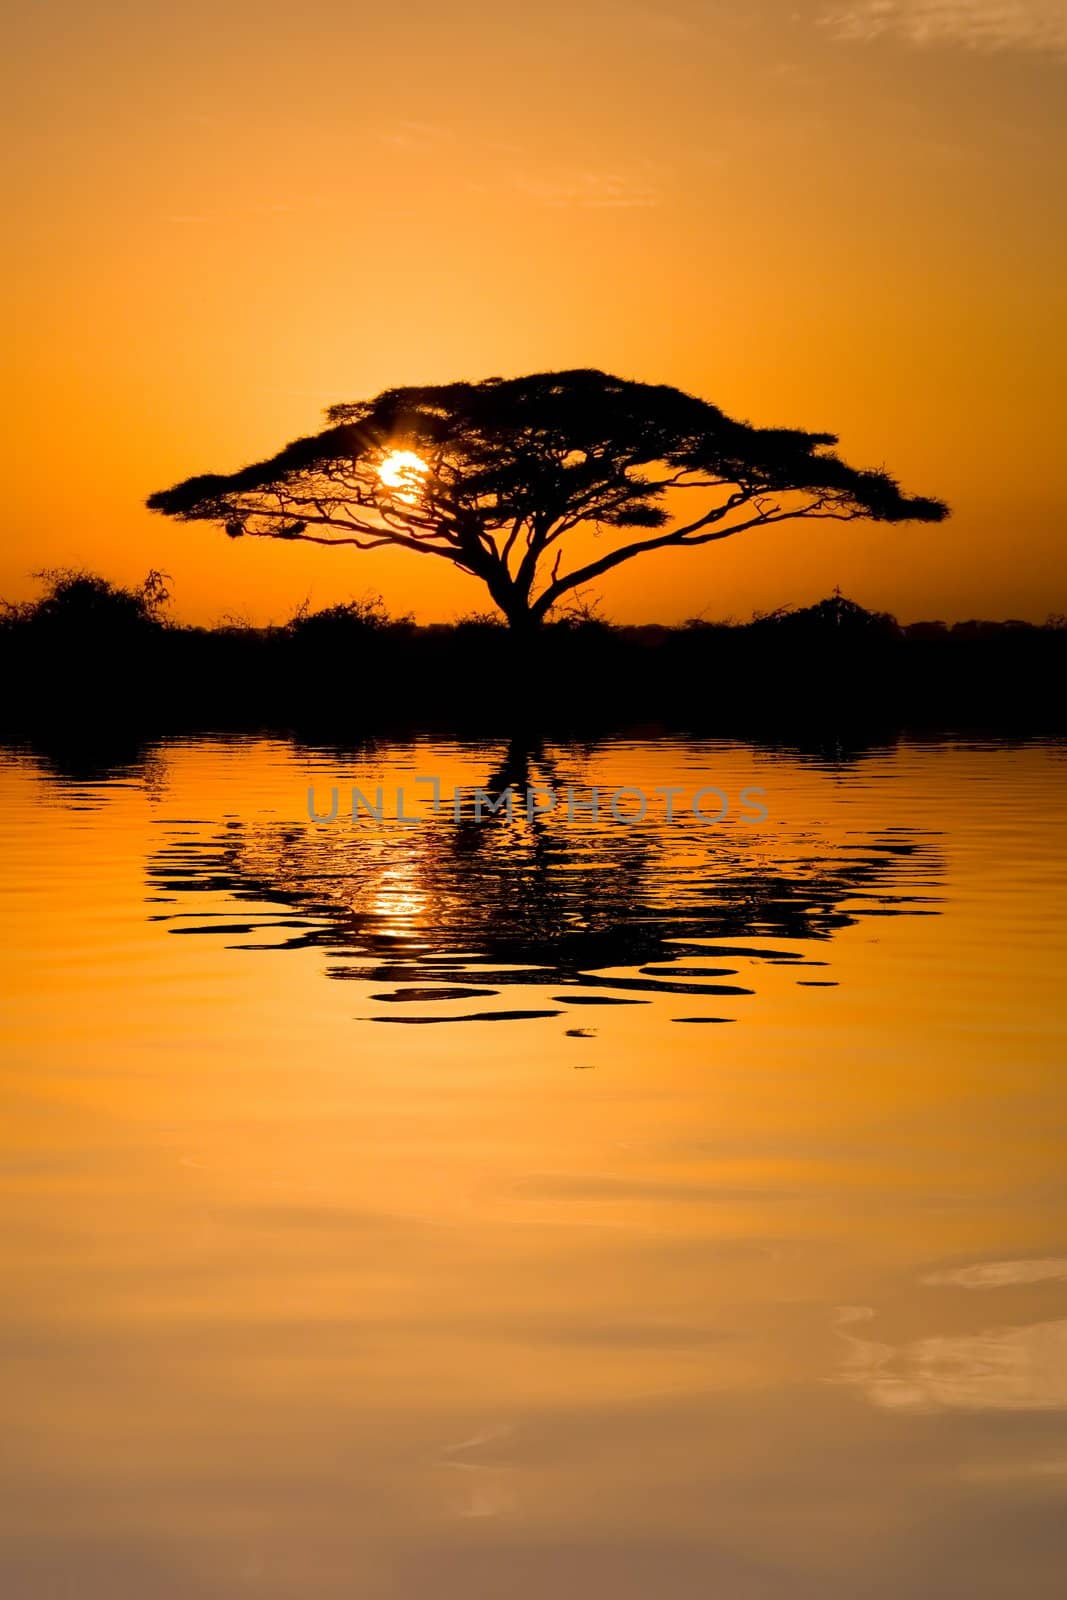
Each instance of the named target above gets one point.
<point>403,471</point>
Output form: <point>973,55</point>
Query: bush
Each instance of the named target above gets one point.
<point>77,604</point>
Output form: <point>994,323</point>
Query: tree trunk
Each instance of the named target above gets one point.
<point>523,623</point>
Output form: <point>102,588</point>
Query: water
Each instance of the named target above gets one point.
<point>382,1221</point>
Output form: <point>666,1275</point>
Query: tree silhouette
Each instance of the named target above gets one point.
<point>494,476</point>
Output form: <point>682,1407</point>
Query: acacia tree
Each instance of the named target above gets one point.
<point>494,476</point>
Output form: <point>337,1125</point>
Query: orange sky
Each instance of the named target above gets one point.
<point>835,215</point>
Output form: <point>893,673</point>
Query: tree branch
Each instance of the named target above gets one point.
<point>680,537</point>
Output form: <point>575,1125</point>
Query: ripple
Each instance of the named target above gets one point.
<point>629,912</point>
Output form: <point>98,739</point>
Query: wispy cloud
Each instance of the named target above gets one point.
<point>998,1369</point>
<point>982,25</point>
<point>596,190</point>
<point>417,136</point>
<point>670,25</point>
<point>1002,1274</point>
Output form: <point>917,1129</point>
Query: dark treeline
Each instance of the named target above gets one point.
<point>89,655</point>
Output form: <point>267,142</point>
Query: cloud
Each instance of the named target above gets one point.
<point>981,25</point>
<point>999,1369</point>
<point>596,190</point>
<point>669,25</point>
<point>417,136</point>
<point>1002,1274</point>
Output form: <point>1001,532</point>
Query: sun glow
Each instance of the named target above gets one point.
<point>403,472</point>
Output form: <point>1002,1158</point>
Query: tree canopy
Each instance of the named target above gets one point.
<point>494,476</point>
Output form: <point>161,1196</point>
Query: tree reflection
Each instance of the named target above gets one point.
<point>583,903</point>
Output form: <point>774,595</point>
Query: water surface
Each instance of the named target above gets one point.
<point>565,1206</point>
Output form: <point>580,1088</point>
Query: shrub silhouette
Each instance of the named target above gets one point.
<point>79,604</point>
<point>92,654</point>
